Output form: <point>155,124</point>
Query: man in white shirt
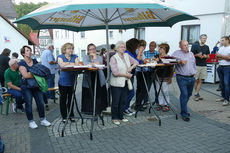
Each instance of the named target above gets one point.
<point>223,55</point>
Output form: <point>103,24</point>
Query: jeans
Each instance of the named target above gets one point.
<point>28,95</point>
<point>224,75</point>
<point>130,95</point>
<point>50,81</point>
<point>66,93</point>
<point>119,99</point>
<point>18,97</point>
<point>186,85</point>
<point>1,100</point>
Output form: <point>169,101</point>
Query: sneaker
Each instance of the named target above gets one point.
<point>116,122</point>
<point>47,108</point>
<point>45,122</point>
<point>22,110</point>
<point>126,112</point>
<point>131,111</point>
<point>33,125</point>
<point>14,107</point>
<point>196,97</point>
<point>225,103</point>
<point>220,100</point>
<point>166,108</point>
<point>124,120</point>
<point>186,119</point>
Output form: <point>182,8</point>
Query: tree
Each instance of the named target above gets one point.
<point>23,9</point>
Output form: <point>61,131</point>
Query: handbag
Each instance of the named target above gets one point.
<point>32,83</point>
<point>130,86</point>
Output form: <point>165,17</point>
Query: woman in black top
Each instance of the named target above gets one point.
<point>4,59</point>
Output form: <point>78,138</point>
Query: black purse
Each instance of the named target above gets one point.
<point>32,84</point>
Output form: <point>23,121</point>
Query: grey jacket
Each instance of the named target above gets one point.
<point>87,61</point>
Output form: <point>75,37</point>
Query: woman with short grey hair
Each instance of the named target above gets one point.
<point>121,67</point>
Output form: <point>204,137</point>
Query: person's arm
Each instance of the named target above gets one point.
<point>133,62</point>
<point>222,57</point>
<point>115,70</point>
<point>50,59</point>
<point>11,86</point>
<point>171,75</point>
<point>194,51</point>
<point>64,64</point>
<point>24,73</point>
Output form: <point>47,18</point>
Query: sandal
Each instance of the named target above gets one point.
<point>166,108</point>
<point>72,119</point>
<point>159,108</point>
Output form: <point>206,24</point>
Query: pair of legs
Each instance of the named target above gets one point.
<point>186,85</point>
<point>130,95</point>
<point>119,99</point>
<point>28,95</point>
<point>65,101</point>
<point>18,97</point>
<point>200,76</point>
<point>50,81</point>
<point>224,75</point>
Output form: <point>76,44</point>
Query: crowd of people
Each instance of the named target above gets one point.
<point>191,69</point>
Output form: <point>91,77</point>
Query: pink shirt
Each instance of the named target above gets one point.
<point>113,64</point>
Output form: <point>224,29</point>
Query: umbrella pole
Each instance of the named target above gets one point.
<point>107,48</point>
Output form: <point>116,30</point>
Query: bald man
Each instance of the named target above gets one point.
<point>185,71</point>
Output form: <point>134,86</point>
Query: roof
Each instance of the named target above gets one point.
<point>30,42</point>
<point>34,37</point>
<point>7,9</point>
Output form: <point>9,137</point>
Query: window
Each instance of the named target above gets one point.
<point>190,33</point>
<point>139,33</point>
<point>83,34</point>
<point>83,53</point>
<point>111,34</point>
<point>66,34</point>
<point>57,34</point>
<point>57,52</point>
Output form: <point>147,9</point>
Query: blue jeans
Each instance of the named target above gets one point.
<point>224,75</point>
<point>28,95</point>
<point>1,101</point>
<point>18,97</point>
<point>186,85</point>
<point>50,81</point>
<point>130,95</point>
<point>119,100</point>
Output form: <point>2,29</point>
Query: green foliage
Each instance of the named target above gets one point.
<point>23,9</point>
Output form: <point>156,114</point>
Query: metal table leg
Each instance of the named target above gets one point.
<point>94,107</point>
<point>151,104</point>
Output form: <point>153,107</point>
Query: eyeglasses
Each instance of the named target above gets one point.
<point>92,49</point>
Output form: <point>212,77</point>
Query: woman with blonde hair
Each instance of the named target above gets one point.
<point>66,80</point>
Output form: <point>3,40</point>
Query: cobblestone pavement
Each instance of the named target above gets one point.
<point>138,135</point>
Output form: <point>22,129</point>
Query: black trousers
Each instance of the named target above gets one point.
<point>65,100</point>
<point>141,92</point>
<point>119,98</point>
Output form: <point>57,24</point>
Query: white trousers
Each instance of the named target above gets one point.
<point>164,89</point>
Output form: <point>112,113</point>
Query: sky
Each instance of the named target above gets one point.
<point>35,1</point>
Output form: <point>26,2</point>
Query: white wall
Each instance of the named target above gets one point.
<point>210,24</point>
<point>98,37</point>
<point>16,39</point>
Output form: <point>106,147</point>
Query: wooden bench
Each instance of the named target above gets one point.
<point>55,91</point>
<point>8,98</point>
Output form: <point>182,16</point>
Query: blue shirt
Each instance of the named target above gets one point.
<point>148,54</point>
<point>135,57</point>
<point>47,56</point>
<point>67,78</point>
